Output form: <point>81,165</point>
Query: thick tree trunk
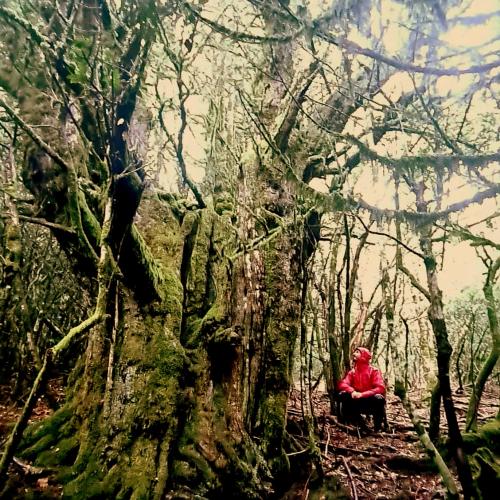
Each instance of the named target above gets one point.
<point>173,394</point>
<point>282,318</point>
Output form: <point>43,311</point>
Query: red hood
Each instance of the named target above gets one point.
<point>365,356</point>
<point>363,378</point>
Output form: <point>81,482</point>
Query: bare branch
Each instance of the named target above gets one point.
<point>442,161</point>
<point>33,136</point>
<point>46,223</point>
<point>241,36</point>
<point>354,48</point>
<point>466,235</point>
<point>414,281</point>
<point>431,216</point>
<point>290,119</point>
<point>387,235</point>
<point>315,27</point>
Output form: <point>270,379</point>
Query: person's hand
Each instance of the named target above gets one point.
<point>355,395</point>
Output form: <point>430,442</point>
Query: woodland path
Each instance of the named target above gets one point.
<point>387,465</point>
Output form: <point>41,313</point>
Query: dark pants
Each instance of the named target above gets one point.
<point>352,409</point>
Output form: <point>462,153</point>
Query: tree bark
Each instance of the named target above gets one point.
<point>435,413</point>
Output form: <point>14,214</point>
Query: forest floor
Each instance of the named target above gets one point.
<point>29,481</point>
<point>385,465</point>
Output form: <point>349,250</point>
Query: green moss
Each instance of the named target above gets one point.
<point>50,425</point>
<point>487,435</point>
<point>138,477</point>
<point>183,470</point>
<point>215,316</point>
<point>89,222</point>
<point>490,432</point>
<point>65,474</point>
<point>192,456</point>
<point>165,280</point>
<point>162,354</point>
<point>86,453</point>
<point>483,449</point>
<point>205,273</point>
<point>62,453</point>
<point>162,232</point>
<point>485,466</point>
<point>44,443</point>
<point>41,436</point>
<point>90,485</point>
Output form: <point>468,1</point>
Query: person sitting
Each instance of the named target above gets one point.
<point>362,391</point>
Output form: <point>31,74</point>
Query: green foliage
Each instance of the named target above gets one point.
<point>77,60</point>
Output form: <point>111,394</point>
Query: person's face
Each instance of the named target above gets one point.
<point>356,354</point>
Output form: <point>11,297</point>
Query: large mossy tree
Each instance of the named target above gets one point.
<point>184,381</point>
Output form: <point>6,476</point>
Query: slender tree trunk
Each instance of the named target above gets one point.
<point>407,354</point>
<point>435,413</point>
<point>492,359</point>
<point>444,471</point>
<point>372,342</point>
<point>334,346</point>
<point>472,332</point>
<point>346,334</point>
<point>389,317</point>
<point>444,350</point>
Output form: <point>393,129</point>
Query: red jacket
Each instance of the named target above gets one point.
<point>363,378</point>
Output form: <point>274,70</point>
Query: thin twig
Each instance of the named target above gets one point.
<point>351,480</point>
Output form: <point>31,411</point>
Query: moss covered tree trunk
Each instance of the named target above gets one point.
<point>182,389</point>
<point>157,404</point>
